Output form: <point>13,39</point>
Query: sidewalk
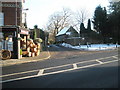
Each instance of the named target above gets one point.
<point>43,56</point>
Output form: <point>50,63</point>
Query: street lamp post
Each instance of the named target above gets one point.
<point>24,21</point>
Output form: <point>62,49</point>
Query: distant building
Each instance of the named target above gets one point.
<point>32,33</point>
<point>39,34</point>
<point>68,35</point>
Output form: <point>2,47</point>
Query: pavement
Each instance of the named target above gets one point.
<point>43,56</point>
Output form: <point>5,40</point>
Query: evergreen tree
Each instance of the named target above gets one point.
<point>42,34</point>
<point>114,21</point>
<point>82,29</point>
<point>36,27</point>
<point>89,25</point>
<point>100,21</point>
<point>34,32</point>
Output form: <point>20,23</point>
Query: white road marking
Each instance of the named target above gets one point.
<point>75,66</point>
<point>99,61</point>
<point>55,67</point>
<point>115,57</point>
<point>56,72</point>
<point>18,73</point>
<point>76,63</point>
<point>40,72</point>
<point>26,71</point>
<point>106,57</point>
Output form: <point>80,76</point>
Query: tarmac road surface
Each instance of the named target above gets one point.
<point>93,70</point>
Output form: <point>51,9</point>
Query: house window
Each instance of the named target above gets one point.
<point>1,19</point>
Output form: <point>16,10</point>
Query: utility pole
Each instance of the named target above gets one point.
<point>18,35</point>
<point>16,13</point>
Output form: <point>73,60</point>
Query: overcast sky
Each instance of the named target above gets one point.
<point>40,10</point>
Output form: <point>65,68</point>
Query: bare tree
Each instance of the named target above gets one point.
<point>80,17</point>
<point>66,19</point>
<point>59,20</point>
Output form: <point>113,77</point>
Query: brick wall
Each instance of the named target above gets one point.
<point>9,10</point>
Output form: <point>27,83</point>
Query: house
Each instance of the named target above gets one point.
<point>12,27</point>
<point>32,33</point>
<point>39,33</point>
<point>68,35</point>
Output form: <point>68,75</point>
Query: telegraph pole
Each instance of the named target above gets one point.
<point>18,35</point>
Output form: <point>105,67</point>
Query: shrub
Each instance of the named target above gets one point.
<point>38,40</point>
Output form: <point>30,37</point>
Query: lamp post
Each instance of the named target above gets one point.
<point>24,21</point>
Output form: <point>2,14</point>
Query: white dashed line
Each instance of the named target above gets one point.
<point>55,72</point>
<point>106,57</point>
<point>75,66</point>
<point>40,72</point>
<point>99,61</point>
<point>56,66</point>
<point>115,57</point>
<point>18,73</point>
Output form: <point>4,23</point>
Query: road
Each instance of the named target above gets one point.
<point>67,68</point>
